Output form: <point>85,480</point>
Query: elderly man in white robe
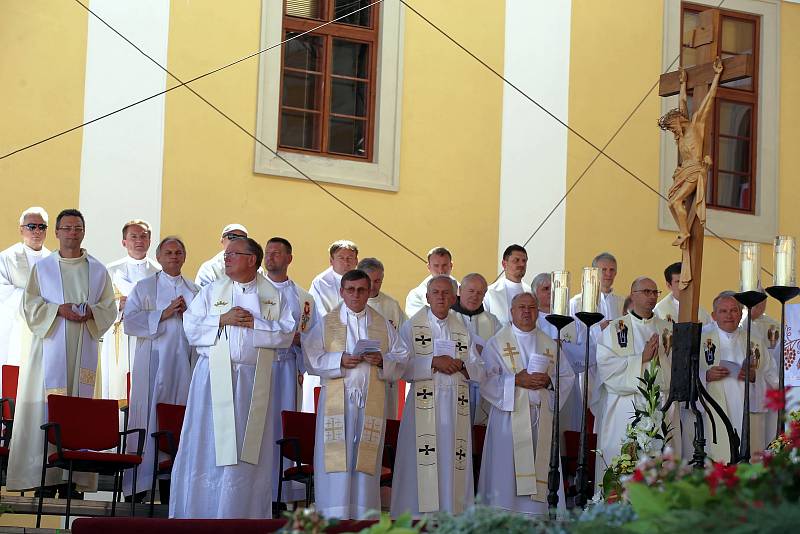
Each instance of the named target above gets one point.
<point>68,303</point>
<point>482,325</point>
<point>440,262</point>
<point>625,351</point>
<point>15,268</point>
<point>433,468</point>
<point>509,285</point>
<point>356,352</point>
<point>118,350</point>
<point>162,369</point>
<point>722,369</point>
<point>224,466</point>
<point>668,307</point>
<point>288,366</point>
<point>214,268</point>
<point>390,309</point>
<point>520,379</point>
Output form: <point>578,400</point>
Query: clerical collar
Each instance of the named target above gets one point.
<point>513,283</point>
<point>169,277</point>
<point>280,284</point>
<point>469,313</point>
<point>246,286</point>
<point>80,258</point>
<point>29,250</point>
<point>432,317</point>
<point>134,261</point>
<point>639,317</point>
<point>352,313</point>
<point>519,332</point>
<point>728,335</point>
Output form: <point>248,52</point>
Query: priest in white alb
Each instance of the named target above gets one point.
<point>610,304</point>
<point>519,384</point>
<point>509,285</point>
<point>225,465</point>
<point>343,257</point>
<point>118,349</point>
<point>356,352</point>
<point>214,267</point>
<point>433,467</point>
<point>440,262</point>
<point>68,303</point>
<point>668,307</point>
<point>162,368</point>
<point>722,370</point>
<point>15,267</point>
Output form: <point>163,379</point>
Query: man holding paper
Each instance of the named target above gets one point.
<point>520,377</point>
<point>224,466</point>
<point>433,469</point>
<point>722,356</point>
<point>356,352</point>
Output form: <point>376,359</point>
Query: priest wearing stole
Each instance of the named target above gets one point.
<point>433,468</point>
<point>722,362</point>
<point>499,295</point>
<point>343,257</point>
<point>68,303</point>
<point>118,349</point>
<point>214,268</point>
<point>356,352</point>
<point>520,376</point>
<point>15,268</point>
<point>224,466</point>
<point>440,262</point>
<point>162,369</point>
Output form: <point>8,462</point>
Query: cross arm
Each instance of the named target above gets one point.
<point>734,68</point>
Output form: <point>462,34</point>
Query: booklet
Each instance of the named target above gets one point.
<point>538,363</point>
<point>444,347</point>
<point>366,345</point>
<point>733,367</point>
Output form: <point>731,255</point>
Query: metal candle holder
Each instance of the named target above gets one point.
<point>748,299</point>
<point>782,294</point>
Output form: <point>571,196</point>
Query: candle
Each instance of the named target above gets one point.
<point>750,267</point>
<point>590,289</point>
<point>785,255</point>
<point>559,292</point>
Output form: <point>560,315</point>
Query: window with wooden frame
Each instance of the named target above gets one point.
<point>328,78</point>
<point>732,178</point>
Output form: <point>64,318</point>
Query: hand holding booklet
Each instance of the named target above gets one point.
<point>364,346</point>
<point>732,367</point>
<point>538,363</point>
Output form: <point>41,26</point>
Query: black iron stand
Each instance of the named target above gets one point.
<point>782,294</point>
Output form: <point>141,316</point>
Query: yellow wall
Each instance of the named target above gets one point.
<point>614,62</point>
<point>450,149</point>
<point>42,66</point>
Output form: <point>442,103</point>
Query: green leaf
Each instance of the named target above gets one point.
<point>647,502</point>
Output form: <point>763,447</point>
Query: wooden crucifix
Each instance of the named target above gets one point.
<point>693,136</point>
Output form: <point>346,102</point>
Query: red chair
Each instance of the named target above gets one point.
<point>10,375</point>
<point>389,451</point>
<point>81,430</point>
<point>317,391</point>
<point>297,445</point>
<point>570,456</point>
<point>170,422</point>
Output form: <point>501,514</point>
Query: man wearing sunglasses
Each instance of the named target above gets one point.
<point>214,268</point>
<point>15,267</point>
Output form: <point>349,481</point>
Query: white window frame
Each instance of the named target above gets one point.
<point>763,225</point>
<point>384,171</point>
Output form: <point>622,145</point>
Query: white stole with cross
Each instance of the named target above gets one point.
<point>425,416</point>
<point>221,377</point>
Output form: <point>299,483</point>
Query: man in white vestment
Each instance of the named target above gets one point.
<point>440,262</point>
<point>509,285</point>
<point>15,267</point>
<point>118,349</point>
<point>343,257</point>
<point>162,369</point>
<point>390,309</point>
<point>288,366</point>
<point>610,304</point>
<point>68,303</point>
<point>519,384</point>
<point>433,467</point>
<point>225,460</point>
<point>214,268</point>
<point>353,403</point>
<point>481,325</point>
<point>624,352</point>
<point>667,308</point>
<point>722,363</point>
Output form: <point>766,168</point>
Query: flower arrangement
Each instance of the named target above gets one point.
<point>306,520</point>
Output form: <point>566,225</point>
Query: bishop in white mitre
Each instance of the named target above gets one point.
<point>440,261</point>
<point>289,362</point>
<point>351,419</point>
<point>509,285</point>
<point>624,352</point>
<point>15,268</point>
<point>519,363</point>
<point>433,467</point>
<point>118,349</point>
<point>68,303</point>
<point>162,368</point>
<point>214,267</point>
<point>224,466</point>
<point>722,363</point>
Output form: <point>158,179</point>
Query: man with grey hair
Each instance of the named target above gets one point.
<point>343,257</point>
<point>214,268</point>
<point>440,262</point>
<point>510,284</point>
<point>722,362</point>
<point>15,267</point>
<point>609,304</point>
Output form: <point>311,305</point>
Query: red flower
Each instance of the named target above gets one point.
<point>776,399</point>
<point>793,434</point>
<point>638,476</point>
<point>725,474</point>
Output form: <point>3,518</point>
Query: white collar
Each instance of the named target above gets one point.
<point>522,333</point>
<point>283,284</point>
<point>173,279</point>
<point>134,261</point>
<point>29,250</point>
<point>432,317</point>
<point>246,287</point>
<point>728,335</point>
<point>511,283</point>
<point>351,313</point>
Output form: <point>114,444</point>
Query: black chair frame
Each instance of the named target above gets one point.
<point>303,478</point>
<point>173,450</point>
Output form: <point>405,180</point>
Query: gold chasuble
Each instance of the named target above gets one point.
<point>530,469</point>
<point>221,378</point>
<point>425,416</point>
<point>335,340</point>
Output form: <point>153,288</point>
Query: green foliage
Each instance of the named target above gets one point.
<point>402,525</point>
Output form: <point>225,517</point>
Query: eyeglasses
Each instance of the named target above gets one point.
<point>78,229</point>
<point>34,226</point>
<point>648,292</point>
<point>231,236</point>
<point>231,254</point>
